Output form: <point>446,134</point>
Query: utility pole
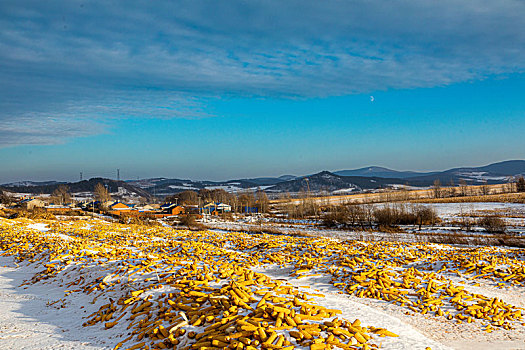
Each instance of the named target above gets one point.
<point>80,176</point>
<point>118,174</point>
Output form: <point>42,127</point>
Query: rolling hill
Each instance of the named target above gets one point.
<point>339,182</point>
<point>116,188</point>
<point>376,171</point>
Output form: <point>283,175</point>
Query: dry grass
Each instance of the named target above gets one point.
<point>262,229</point>
<point>466,238</point>
<point>494,193</point>
<point>36,213</point>
<point>503,198</point>
<point>396,235</point>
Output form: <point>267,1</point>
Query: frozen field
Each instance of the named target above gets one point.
<point>99,285</point>
<point>451,215</point>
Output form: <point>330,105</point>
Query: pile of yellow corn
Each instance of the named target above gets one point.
<point>198,290</point>
<point>179,289</point>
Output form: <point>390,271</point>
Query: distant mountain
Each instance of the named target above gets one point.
<point>166,187</point>
<point>287,177</point>
<point>376,171</point>
<point>265,181</point>
<point>506,168</point>
<point>339,182</point>
<point>146,183</point>
<point>330,182</point>
<point>116,188</point>
<point>31,183</point>
<point>492,174</point>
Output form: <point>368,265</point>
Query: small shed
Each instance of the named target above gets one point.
<point>223,208</point>
<point>32,203</point>
<point>119,206</point>
<point>177,210</point>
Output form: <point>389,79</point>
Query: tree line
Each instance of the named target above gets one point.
<point>389,215</point>
<point>238,201</point>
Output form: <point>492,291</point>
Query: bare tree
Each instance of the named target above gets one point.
<point>262,201</point>
<point>520,184</point>
<point>436,188</point>
<point>485,189</point>
<point>5,198</point>
<point>463,187</point>
<point>246,199</point>
<point>101,193</point>
<point>511,185</point>
<point>451,189</point>
<point>216,195</point>
<point>184,198</point>
<point>61,195</point>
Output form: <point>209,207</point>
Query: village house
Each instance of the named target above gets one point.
<point>31,203</point>
<point>172,209</point>
<point>216,208</point>
<point>61,209</point>
<point>119,206</point>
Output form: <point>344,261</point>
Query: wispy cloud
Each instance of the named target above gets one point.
<point>75,61</point>
<point>45,130</point>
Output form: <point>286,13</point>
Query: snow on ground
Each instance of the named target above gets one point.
<point>454,209</point>
<point>345,190</point>
<point>352,308</point>
<point>414,329</point>
<point>39,227</point>
<point>512,213</point>
<point>38,316</point>
<point>28,321</point>
<point>415,236</point>
<point>481,176</point>
<point>184,187</point>
<point>228,188</point>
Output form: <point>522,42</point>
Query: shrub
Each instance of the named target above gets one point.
<point>493,224</point>
<point>385,217</point>
<point>390,216</point>
<point>520,184</point>
<point>148,220</point>
<point>425,215</point>
<point>36,213</point>
<point>337,216</point>
<point>5,198</point>
<point>190,221</point>
<point>226,216</point>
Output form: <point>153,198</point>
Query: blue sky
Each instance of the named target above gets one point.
<point>208,90</point>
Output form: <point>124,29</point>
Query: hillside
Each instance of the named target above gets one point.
<point>165,187</point>
<point>330,182</point>
<point>492,173</point>
<point>339,182</point>
<point>375,171</point>
<point>114,187</point>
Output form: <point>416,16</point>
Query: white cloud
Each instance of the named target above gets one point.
<point>165,59</point>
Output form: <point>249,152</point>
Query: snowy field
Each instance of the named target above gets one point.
<point>450,215</point>
<point>30,318</point>
<point>455,210</point>
<point>91,284</point>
